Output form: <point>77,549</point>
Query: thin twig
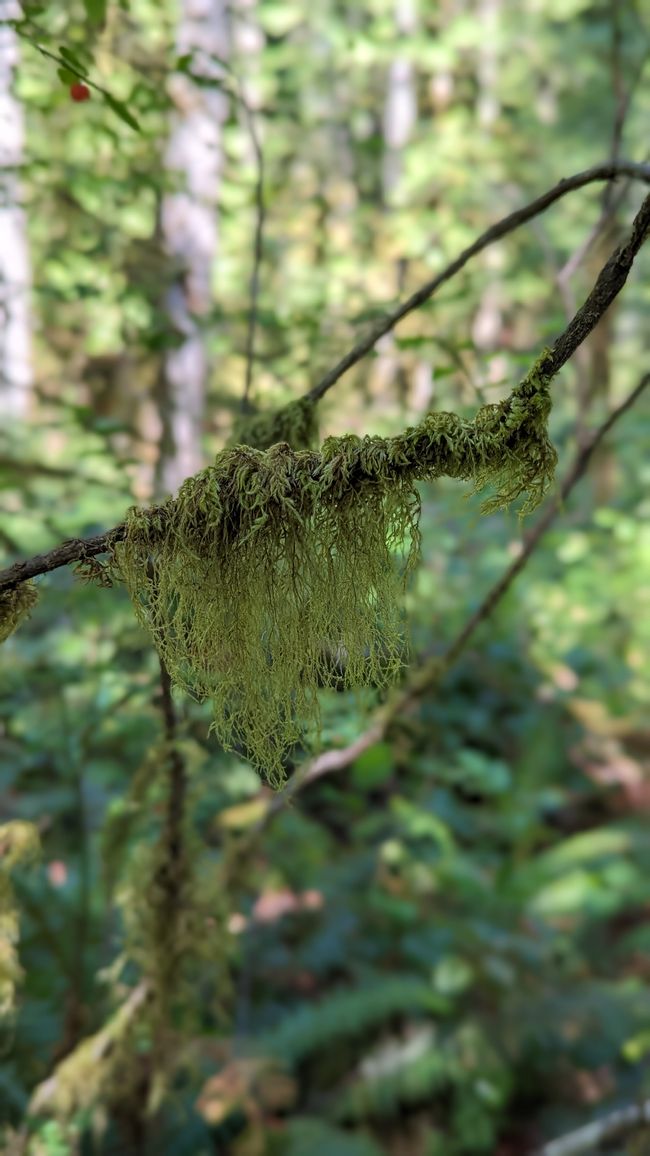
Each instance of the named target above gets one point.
<point>80,71</point>
<point>609,283</point>
<point>610,203</point>
<point>72,550</point>
<point>604,172</point>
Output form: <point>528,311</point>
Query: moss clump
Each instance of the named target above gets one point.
<point>19,843</point>
<point>271,561</point>
<point>295,424</point>
<point>100,1070</point>
<point>15,605</point>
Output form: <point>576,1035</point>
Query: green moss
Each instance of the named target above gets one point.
<point>100,1069</point>
<point>19,843</point>
<point>271,561</point>
<point>295,424</point>
<point>15,605</point>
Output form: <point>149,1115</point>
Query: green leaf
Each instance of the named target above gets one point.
<point>66,77</point>
<point>373,767</point>
<point>120,109</point>
<point>71,57</point>
<point>305,1136</point>
<point>96,11</point>
<point>452,975</point>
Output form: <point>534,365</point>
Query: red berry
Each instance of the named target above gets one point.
<point>79,92</point>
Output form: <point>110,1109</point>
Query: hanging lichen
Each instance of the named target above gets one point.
<point>270,562</point>
<point>295,424</point>
<point>15,605</point>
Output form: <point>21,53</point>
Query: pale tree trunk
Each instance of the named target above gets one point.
<point>488,321</point>
<point>247,47</point>
<point>401,107</point>
<point>15,278</point>
<point>399,120</point>
<point>189,225</point>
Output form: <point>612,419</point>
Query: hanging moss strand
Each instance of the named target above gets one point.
<point>270,564</point>
<point>296,424</point>
<point>15,606</point>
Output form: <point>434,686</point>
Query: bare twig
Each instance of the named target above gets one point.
<point>72,550</point>
<point>604,172</point>
<point>610,281</point>
<point>611,202</point>
<point>616,1126</point>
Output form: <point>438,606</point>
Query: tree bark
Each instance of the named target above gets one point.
<point>15,274</point>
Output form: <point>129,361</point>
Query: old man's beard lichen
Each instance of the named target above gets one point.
<point>269,561</point>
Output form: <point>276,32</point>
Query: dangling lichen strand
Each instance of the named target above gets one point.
<point>270,564</point>
<point>15,606</point>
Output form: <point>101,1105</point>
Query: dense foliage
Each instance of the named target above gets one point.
<point>443,949</point>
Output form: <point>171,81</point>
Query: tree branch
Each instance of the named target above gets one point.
<point>604,172</point>
<point>609,283</point>
<point>72,550</point>
<point>616,1126</point>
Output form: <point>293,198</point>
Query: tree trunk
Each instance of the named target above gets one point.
<point>401,107</point>
<point>189,227</point>
<point>399,120</point>
<point>15,278</point>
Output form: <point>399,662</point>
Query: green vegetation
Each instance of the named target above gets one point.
<point>270,562</point>
<point>15,607</point>
<point>433,938</point>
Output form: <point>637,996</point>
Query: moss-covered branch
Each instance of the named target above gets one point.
<point>274,571</point>
<point>615,276</point>
<point>295,423</point>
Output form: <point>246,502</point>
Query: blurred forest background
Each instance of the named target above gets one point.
<point>444,949</point>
